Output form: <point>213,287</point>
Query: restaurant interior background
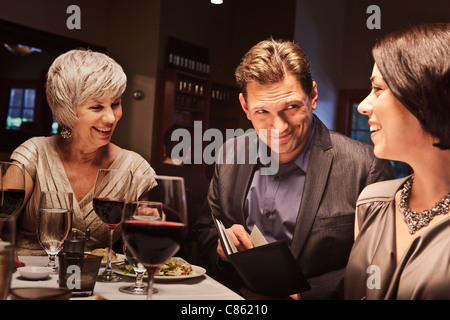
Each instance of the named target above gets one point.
<point>140,34</point>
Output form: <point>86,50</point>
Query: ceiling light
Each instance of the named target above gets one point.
<point>216,1</point>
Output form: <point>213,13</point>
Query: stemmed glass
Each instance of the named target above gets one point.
<point>12,187</point>
<point>111,193</point>
<point>140,185</point>
<point>54,222</point>
<point>7,242</point>
<point>153,236</point>
<point>139,287</point>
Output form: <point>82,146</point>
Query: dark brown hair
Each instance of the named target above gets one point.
<point>269,61</point>
<point>415,63</point>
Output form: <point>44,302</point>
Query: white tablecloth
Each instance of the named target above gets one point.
<point>200,288</point>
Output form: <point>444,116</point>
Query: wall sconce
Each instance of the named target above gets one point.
<point>138,94</point>
<point>216,1</point>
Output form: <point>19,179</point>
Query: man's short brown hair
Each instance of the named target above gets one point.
<point>269,61</point>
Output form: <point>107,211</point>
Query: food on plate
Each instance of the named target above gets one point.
<point>103,252</point>
<point>172,267</point>
<point>126,267</point>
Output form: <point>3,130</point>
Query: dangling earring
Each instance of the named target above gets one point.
<point>65,132</point>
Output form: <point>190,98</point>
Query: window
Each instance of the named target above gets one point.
<point>360,126</point>
<point>26,54</point>
<point>355,125</point>
<point>21,107</point>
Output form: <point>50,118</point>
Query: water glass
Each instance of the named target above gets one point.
<point>54,222</point>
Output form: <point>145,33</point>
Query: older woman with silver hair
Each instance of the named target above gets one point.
<point>84,90</point>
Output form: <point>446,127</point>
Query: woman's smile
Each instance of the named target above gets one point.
<point>103,131</point>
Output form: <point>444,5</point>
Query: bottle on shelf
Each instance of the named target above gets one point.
<point>188,57</point>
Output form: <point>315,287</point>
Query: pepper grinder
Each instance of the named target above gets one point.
<point>75,244</point>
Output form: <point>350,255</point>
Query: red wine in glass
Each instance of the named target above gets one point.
<point>153,242</point>
<point>11,200</point>
<point>12,187</point>
<point>109,210</point>
<point>156,228</point>
<point>112,191</point>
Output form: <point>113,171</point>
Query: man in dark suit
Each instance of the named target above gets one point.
<point>309,201</point>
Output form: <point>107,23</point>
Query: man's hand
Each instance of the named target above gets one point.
<point>239,237</point>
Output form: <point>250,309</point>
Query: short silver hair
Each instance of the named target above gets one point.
<point>78,76</point>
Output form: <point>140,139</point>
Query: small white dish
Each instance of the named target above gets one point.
<point>35,273</point>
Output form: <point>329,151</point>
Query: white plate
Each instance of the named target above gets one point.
<point>35,273</point>
<point>196,272</point>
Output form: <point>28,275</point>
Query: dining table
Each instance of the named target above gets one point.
<point>202,287</point>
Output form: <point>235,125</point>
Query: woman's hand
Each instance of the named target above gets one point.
<point>17,262</point>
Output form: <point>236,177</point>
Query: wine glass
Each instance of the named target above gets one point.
<point>139,287</point>
<point>140,185</point>
<point>12,187</point>
<point>153,236</point>
<point>111,191</point>
<point>7,239</point>
<point>54,222</point>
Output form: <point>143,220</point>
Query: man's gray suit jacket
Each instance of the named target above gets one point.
<point>339,169</point>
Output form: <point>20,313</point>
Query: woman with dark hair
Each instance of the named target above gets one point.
<point>402,228</point>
